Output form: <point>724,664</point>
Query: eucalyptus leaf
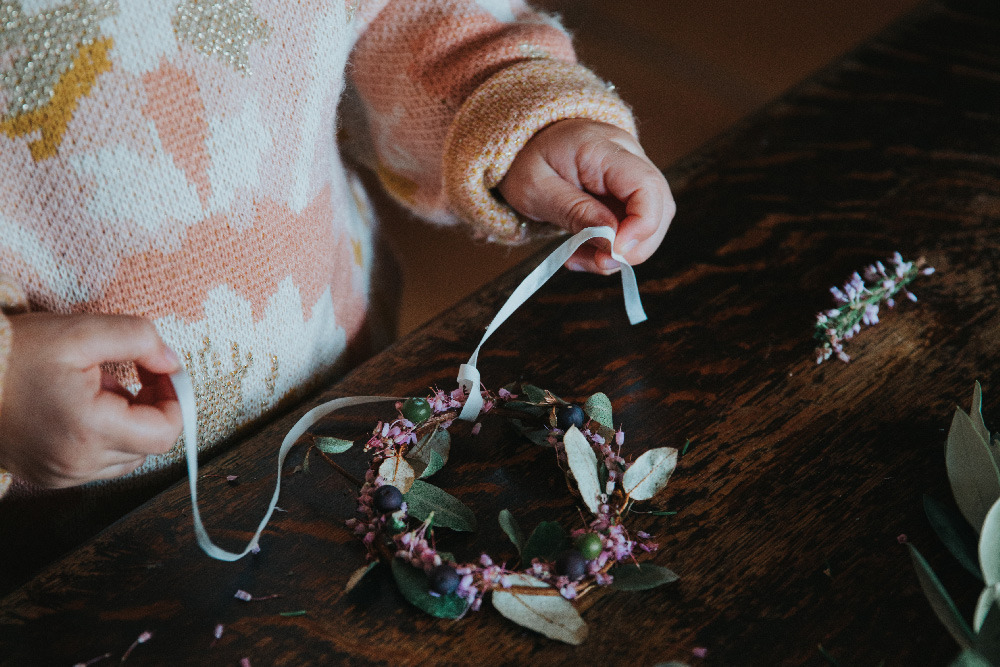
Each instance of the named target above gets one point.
<point>546,613</point>
<point>512,528</point>
<point>398,473</point>
<point>989,546</point>
<point>330,445</point>
<point>988,636</point>
<point>629,577</point>
<point>529,408</point>
<point>970,658</point>
<point>547,541</point>
<point>438,440</point>
<point>976,414</point>
<point>941,602</point>
<point>533,393</point>
<point>598,408</point>
<point>986,600</point>
<point>583,464</point>
<point>424,498</point>
<point>435,464</point>
<point>649,473</point>
<point>358,575</point>
<point>413,585</point>
<point>974,477</point>
<point>955,533</point>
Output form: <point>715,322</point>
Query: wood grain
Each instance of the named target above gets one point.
<point>798,479</point>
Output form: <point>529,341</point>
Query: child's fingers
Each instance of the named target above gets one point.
<point>551,198</point>
<point>96,339</point>
<point>137,428</point>
<point>649,204</point>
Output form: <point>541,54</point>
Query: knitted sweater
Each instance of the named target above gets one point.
<point>183,160</point>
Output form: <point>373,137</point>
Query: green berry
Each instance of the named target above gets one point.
<point>590,545</point>
<point>417,410</point>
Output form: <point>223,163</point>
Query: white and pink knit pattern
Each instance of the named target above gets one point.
<point>178,159</point>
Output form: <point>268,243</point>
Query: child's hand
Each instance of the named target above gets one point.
<point>579,173</point>
<point>63,422</point>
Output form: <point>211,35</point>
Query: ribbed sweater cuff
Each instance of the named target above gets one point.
<point>499,118</point>
<point>12,299</point>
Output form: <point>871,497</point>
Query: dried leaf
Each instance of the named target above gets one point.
<point>398,473</point>
<point>438,440</point>
<point>424,498</point>
<point>413,585</point>
<point>512,528</point>
<point>358,575</point>
<point>546,542</point>
<point>941,602</point>
<point>435,464</point>
<point>629,577</point>
<point>583,464</point>
<point>989,546</point>
<point>649,474</point>
<point>539,436</point>
<point>955,533</point>
<point>550,615</point>
<point>329,445</point>
<point>974,478</point>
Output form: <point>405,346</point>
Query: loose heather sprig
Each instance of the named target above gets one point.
<point>858,303</point>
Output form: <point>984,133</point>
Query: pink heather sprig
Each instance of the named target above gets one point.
<point>858,303</point>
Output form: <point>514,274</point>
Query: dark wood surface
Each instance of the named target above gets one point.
<point>798,478</point>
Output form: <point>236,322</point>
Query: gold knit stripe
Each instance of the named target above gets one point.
<point>499,119</point>
<point>12,297</point>
<point>53,118</point>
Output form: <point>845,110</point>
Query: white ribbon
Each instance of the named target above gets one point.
<point>468,374</point>
<point>468,377</point>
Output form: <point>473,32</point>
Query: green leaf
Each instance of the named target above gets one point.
<point>598,408</point>
<point>329,445</point>
<point>547,541</point>
<point>941,602</point>
<point>549,614</point>
<point>989,546</point>
<point>358,575</point>
<point>986,600</point>
<point>534,394</point>
<point>649,473</point>
<point>413,585</point>
<point>976,414</point>
<point>438,440</point>
<point>537,411</point>
<point>955,533</point>
<point>435,464</point>
<point>974,478</point>
<point>583,464</point>
<point>539,436</point>
<point>424,498</point>
<point>398,473</point>
<point>629,577</point>
<point>512,528</point>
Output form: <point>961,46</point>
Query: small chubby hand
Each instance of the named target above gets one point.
<point>63,421</point>
<point>580,173</point>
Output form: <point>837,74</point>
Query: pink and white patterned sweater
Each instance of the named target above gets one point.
<point>182,160</point>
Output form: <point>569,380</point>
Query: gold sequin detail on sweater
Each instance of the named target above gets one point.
<point>218,392</point>
<point>46,44</point>
<point>223,29</point>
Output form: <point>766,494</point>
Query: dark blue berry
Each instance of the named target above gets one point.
<point>443,579</point>
<point>571,564</point>
<point>386,499</point>
<point>570,415</point>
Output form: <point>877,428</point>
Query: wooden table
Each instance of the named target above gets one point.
<point>798,478</point>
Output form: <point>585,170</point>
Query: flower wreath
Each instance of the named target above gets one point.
<point>398,511</point>
<point>557,566</point>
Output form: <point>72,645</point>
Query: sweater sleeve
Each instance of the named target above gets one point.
<point>12,299</point>
<point>451,90</point>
